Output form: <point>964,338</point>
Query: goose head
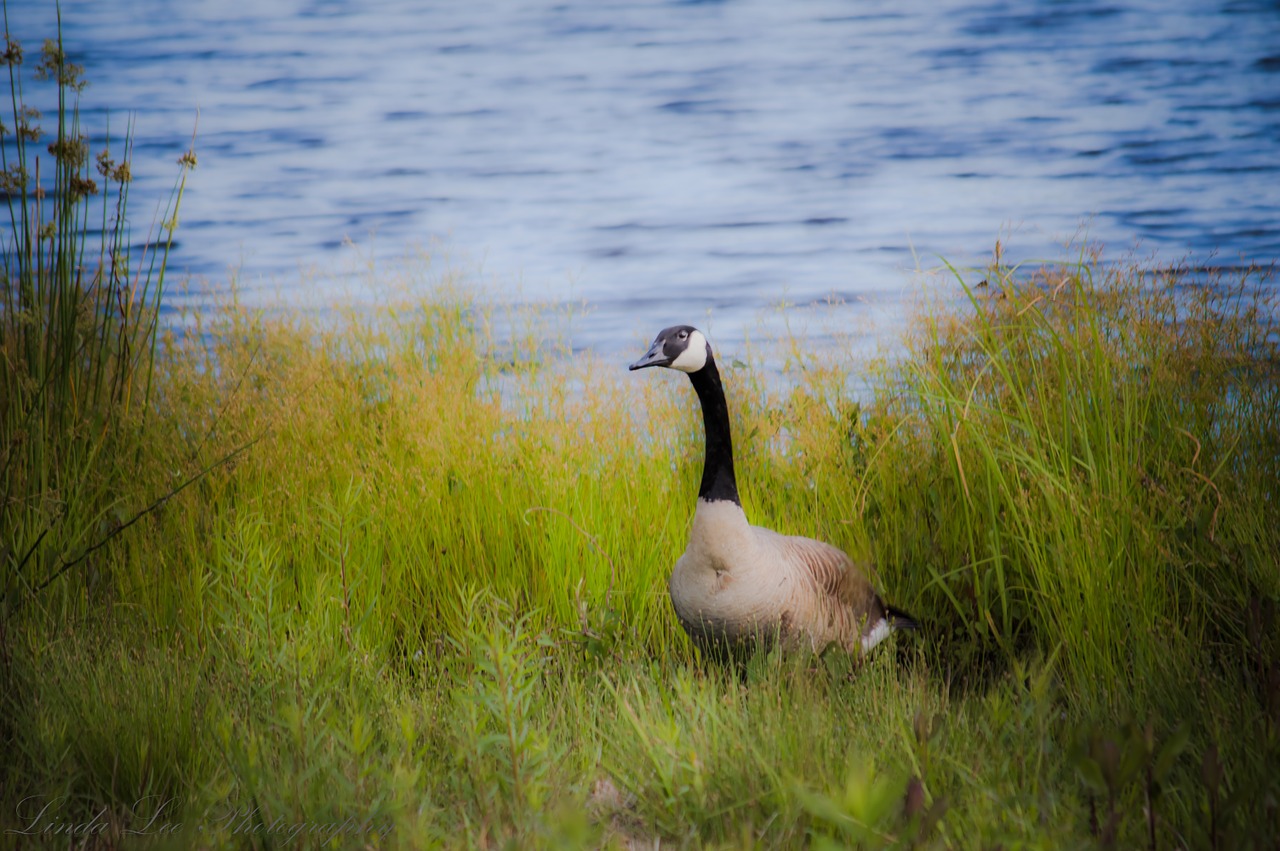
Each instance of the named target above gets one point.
<point>681,347</point>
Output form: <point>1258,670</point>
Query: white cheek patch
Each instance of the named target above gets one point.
<point>694,357</point>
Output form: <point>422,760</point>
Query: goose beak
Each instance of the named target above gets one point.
<point>654,357</point>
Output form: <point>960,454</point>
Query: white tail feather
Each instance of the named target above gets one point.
<point>878,633</point>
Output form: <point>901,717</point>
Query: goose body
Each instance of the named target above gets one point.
<point>737,583</point>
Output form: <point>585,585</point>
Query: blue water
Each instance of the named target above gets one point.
<point>701,162</point>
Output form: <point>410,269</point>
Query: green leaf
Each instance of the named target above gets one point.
<point>1170,751</point>
<point>1091,775</point>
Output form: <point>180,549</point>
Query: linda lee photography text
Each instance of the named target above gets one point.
<point>153,815</point>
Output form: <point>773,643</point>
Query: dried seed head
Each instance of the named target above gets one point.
<point>80,187</point>
<point>14,180</point>
<point>70,151</point>
<point>188,159</point>
<point>12,51</point>
<point>52,57</point>
<point>28,130</point>
<point>54,66</point>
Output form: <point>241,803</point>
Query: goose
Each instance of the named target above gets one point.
<point>736,583</point>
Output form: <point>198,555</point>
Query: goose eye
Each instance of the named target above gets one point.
<point>684,334</point>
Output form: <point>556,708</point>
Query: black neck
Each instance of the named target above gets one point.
<point>717,470</point>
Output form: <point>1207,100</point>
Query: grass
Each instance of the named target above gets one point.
<point>426,605</point>
<point>397,579</point>
<point>78,323</point>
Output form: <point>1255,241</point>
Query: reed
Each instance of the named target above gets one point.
<point>78,315</point>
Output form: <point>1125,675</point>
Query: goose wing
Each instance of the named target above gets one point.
<point>832,574</point>
<point>831,599</point>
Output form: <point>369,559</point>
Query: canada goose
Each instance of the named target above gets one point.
<point>737,582</point>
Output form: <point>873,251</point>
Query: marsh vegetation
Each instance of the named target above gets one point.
<point>397,579</point>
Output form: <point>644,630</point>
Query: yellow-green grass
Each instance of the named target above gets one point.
<point>419,596</point>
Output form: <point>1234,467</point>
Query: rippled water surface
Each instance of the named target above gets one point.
<point>666,160</point>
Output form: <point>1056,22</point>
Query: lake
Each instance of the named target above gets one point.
<point>658,162</point>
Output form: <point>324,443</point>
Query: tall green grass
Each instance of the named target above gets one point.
<point>1099,478</point>
<point>427,607</point>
